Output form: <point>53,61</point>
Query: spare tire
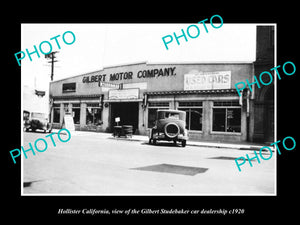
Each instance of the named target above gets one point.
<point>171,130</point>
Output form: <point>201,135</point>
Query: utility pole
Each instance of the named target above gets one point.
<point>52,56</point>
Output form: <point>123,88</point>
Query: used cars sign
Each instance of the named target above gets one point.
<point>195,80</point>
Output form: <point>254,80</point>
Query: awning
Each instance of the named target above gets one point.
<point>64,97</point>
<point>216,91</point>
<point>123,100</point>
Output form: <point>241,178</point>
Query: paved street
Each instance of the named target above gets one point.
<point>97,164</point>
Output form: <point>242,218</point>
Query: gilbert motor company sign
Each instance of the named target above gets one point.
<point>196,80</point>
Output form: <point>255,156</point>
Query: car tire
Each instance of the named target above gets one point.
<point>154,141</point>
<point>183,143</point>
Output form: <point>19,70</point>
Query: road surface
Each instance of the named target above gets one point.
<point>98,164</point>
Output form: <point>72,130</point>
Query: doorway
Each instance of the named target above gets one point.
<point>128,113</point>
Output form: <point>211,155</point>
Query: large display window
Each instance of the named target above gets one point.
<point>193,114</point>
<point>226,116</point>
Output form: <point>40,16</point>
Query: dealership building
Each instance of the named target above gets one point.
<point>134,92</point>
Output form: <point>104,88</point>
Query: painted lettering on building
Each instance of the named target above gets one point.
<point>120,76</point>
<point>126,94</point>
<point>156,73</point>
<point>195,80</point>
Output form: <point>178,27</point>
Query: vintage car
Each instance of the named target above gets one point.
<point>170,125</point>
<point>37,121</point>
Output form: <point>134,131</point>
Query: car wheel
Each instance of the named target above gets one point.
<point>183,143</point>
<point>154,141</point>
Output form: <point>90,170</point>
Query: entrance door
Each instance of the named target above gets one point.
<point>128,113</point>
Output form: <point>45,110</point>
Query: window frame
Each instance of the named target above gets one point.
<point>156,105</point>
<point>71,89</point>
<point>93,106</point>
<point>231,104</point>
<point>76,106</point>
<point>190,106</point>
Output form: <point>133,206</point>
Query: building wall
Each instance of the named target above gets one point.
<point>263,126</point>
<point>239,71</point>
<point>168,85</point>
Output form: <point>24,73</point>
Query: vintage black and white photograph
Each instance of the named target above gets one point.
<point>149,108</point>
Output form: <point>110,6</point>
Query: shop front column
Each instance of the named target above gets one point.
<point>207,117</point>
<point>141,119</point>
<point>82,114</point>
<point>62,114</point>
<point>105,116</point>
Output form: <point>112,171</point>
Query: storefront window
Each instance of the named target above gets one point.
<point>193,114</point>
<point>56,113</point>
<point>93,114</point>
<point>227,116</point>
<point>76,113</point>
<point>152,109</point>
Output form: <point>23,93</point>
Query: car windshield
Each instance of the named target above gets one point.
<point>38,115</point>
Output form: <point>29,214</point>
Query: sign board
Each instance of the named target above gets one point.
<point>68,122</point>
<point>124,94</point>
<point>195,80</point>
<point>110,85</point>
<point>117,119</point>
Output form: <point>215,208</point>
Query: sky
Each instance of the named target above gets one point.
<point>100,45</point>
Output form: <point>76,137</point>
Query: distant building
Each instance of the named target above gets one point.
<point>34,100</point>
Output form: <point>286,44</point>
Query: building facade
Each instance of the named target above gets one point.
<point>134,92</point>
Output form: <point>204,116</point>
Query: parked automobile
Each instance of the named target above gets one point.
<point>26,115</point>
<point>170,125</point>
<point>37,121</point>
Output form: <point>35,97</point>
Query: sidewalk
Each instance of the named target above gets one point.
<point>240,146</point>
<point>142,138</point>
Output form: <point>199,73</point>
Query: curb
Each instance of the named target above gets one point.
<point>193,143</point>
<point>201,144</point>
<point>254,148</point>
<point>125,139</point>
